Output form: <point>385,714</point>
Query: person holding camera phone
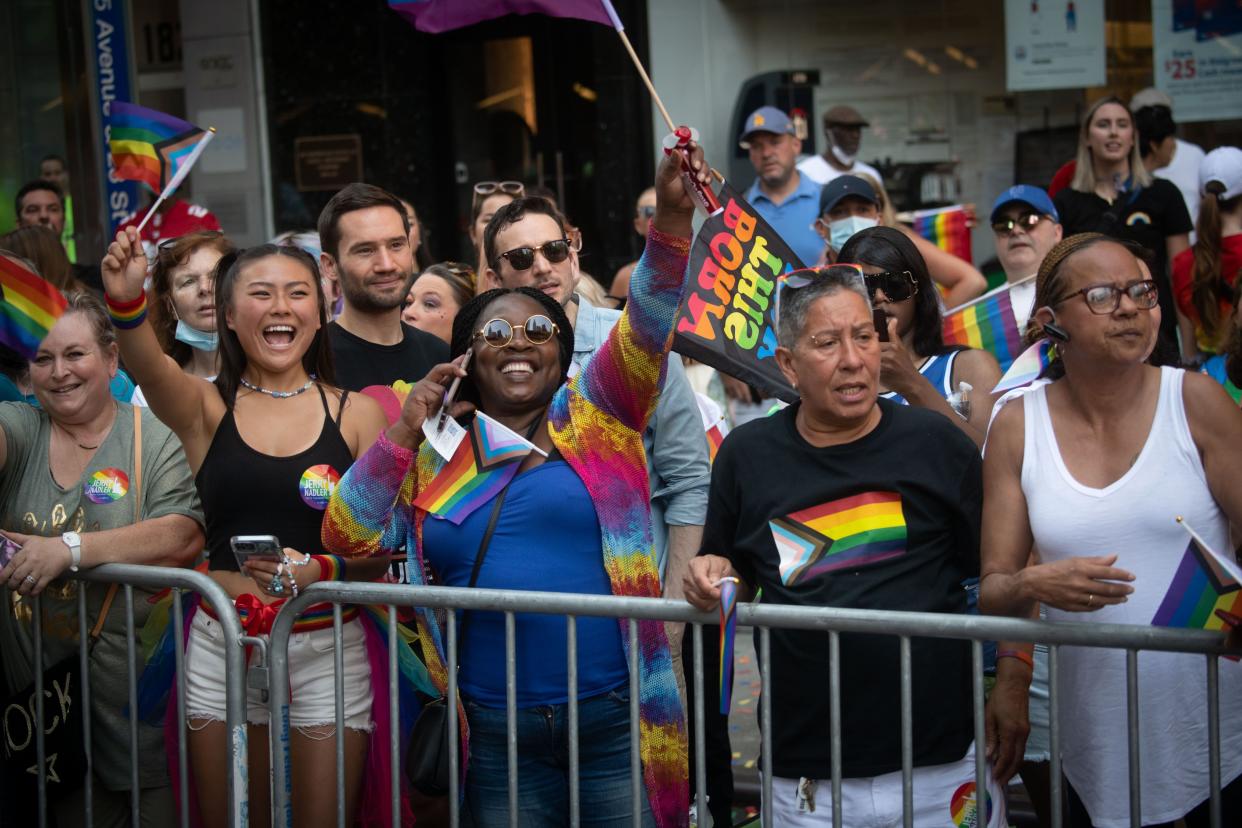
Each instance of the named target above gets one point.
<point>267,442</point>
<point>577,521</point>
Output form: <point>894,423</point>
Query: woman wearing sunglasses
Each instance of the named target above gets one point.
<point>486,199</point>
<point>1094,470</point>
<point>916,367</point>
<point>577,520</point>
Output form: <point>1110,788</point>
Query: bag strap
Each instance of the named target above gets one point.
<point>136,493</point>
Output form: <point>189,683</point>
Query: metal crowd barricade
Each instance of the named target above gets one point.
<point>151,577</point>
<point>904,625</point>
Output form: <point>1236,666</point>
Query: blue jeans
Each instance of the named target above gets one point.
<point>543,765</point>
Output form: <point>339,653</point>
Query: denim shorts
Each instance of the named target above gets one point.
<point>312,684</point>
<point>543,765</point>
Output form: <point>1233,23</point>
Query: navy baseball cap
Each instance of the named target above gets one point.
<point>844,186</point>
<point>766,119</point>
<point>1028,195</point>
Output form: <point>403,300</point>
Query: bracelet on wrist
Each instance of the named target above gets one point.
<point>1019,655</point>
<point>331,567</point>
<point>127,315</point>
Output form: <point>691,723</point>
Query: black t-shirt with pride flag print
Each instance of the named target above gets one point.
<point>888,522</point>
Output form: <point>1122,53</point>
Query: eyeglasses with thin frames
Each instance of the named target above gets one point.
<point>498,332</point>
<point>1105,299</point>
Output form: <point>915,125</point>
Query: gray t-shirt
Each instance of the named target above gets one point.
<point>31,502</point>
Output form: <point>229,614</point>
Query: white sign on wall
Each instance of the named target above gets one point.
<point>228,151</point>
<point>1198,57</point>
<point>1054,44</point>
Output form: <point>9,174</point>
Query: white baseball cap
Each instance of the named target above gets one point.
<point>1223,164</point>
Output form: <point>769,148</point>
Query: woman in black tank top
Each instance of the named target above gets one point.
<point>267,442</point>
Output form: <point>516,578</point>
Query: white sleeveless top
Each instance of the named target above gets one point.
<point>1135,518</point>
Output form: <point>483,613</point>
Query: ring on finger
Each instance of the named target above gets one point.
<point>30,579</point>
<point>1090,599</point>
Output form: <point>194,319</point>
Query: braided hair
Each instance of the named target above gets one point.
<point>466,324</point>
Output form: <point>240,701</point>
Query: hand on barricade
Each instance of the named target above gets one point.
<point>124,266</point>
<point>277,579</point>
<point>702,581</point>
<point>424,401</point>
<point>39,561</point>
<point>1077,584</point>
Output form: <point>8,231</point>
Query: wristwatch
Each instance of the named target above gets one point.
<point>74,541</point>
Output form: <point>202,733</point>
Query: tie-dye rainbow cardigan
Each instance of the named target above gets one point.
<point>596,422</point>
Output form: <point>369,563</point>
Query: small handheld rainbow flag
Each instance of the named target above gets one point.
<point>946,227</point>
<point>152,147</point>
<point>987,323</point>
<point>483,464</point>
<point>1204,583</point>
<point>1027,367</point>
<point>29,307</point>
<point>714,439</point>
<point>728,632</point>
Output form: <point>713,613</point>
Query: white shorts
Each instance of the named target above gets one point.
<point>312,685</point>
<point>943,797</point>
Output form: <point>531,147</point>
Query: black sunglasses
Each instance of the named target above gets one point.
<point>898,285</point>
<point>1026,221</point>
<point>498,333</point>
<point>523,258</point>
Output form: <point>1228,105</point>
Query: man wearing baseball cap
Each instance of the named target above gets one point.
<point>847,204</point>
<point>787,201</point>
<point>1025,226</point>
<point>1181,166</point>
<point>843,127</point>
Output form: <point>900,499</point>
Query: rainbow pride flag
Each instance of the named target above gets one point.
<point>728,634</point>
<point>152,147</point>
<point>1204,582</point>
<point>853,531</point>
<point>483,464</point>
<point>1027,367</point>
<point>946,227</point>
<point>29,307</point>
<point>987,323</point>
<point>714,439</point>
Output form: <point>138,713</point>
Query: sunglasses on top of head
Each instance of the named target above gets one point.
<point>498,333</point>
<point>795,279</point>
<point>523,258</point>
<point>486,188</point>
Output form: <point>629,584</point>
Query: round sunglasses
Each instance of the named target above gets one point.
<point>498,333</point>
<point>523,258</point>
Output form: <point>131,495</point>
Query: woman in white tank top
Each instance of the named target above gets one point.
<point>1090,472</point>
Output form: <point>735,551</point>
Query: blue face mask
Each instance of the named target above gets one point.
<point>199,340</point>
<point>839,231</point>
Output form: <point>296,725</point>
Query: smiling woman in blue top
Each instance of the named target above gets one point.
<point>788,200</point>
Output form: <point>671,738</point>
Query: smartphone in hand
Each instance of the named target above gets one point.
<point>881,323</point>
<point>256,547</point>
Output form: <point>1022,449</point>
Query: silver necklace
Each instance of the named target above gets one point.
<point>280,395</point>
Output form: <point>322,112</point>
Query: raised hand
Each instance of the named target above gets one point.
<point>674,206</point>
<point>124,266</point>
<point>424,401</point>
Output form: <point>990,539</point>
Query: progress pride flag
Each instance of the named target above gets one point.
<point>434,16</point>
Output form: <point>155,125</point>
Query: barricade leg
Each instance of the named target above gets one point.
<point>36,623</point>
<point>636,767</point>
<point>907,736</point>
<point>183,760</point>
<point>1055,792</point>
<point>454,747</point>
<point>571,666</point>
<point>1132,711</point>
<point>981,761</point>
<point>84,655</point>
<point>834,711</point>
<point>394,720</point>
<point>511,714</point>
<point>1213,702</point>
<point>765,720</point>
<point>135,790</point>
<point>700,738</point>
<point>338,669</point>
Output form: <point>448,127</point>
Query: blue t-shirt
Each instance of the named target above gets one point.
<point>794,218</point>
<point>938,370</point>
<point>547,538</point>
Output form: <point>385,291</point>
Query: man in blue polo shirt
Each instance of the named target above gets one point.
<point>787,200</point>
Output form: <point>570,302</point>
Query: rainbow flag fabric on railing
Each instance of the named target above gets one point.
<point>986,323</point>
<point>149,146</point>
<point>947,227</point>
<point>29,307</point>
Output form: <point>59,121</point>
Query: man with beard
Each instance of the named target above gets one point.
<point>366,251</point>
<point>843,127</point>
